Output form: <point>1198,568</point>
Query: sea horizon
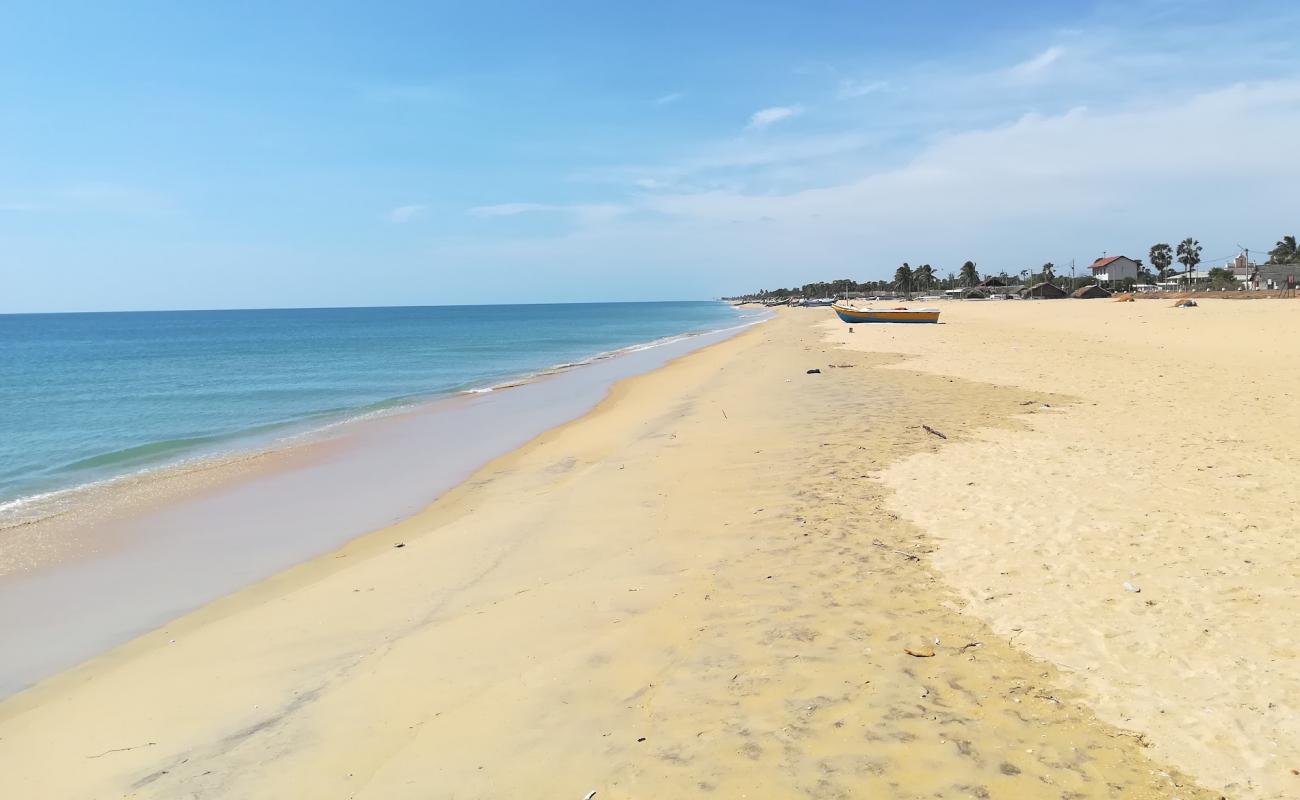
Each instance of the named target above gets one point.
<point>353,307</point>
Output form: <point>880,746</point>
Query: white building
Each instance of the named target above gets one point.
<point>1114,268</point>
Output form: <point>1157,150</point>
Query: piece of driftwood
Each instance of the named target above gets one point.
<point>933,432</point>
<point>903,553</point>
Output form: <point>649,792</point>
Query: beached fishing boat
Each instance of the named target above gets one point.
<point>850,314</point>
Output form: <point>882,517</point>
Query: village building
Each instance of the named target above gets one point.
<point>1090,292</point>
<point>1044,291</point>
<point>1114,268</point>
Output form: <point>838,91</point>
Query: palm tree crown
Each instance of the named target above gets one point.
<point>1189,254</point>
<point>1162,255</point>
<point>903,277</point>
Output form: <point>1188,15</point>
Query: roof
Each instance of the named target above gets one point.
<point>1043,290</point>
<point>1090,291</point>
<point>1102,263</point>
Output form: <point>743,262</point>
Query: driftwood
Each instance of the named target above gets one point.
<point>933,432</point>
<point>903,553</point>
<point>123,749</point>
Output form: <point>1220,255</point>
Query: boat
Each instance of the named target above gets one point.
<point>900,314</point>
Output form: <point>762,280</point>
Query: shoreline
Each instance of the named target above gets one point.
<point>265,439</point>
<point>669,594</point>
<point>161,546</point>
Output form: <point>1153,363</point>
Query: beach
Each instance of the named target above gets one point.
<point>900,576</point>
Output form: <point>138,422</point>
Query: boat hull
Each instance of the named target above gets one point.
<point>855,315</point>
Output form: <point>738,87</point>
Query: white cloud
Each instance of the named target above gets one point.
<point>761,119</point>
<point>668,99</point>
<point>1036,68</point>
<point>1044,187</point>
<point>509,209</point>
<point>583,213</point>
<point>404,214</point>
<point>851,88</point>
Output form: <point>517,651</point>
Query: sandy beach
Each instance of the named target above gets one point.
<point>734,578</point>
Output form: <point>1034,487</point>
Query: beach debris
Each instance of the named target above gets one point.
<point>589,795</point>
<point>969,645</point>
<point>814,372</point>
<point>1132,587</point>
<point>1125,298</point>
<point>400,544</point>
<point>123,749</point>
<point>1185,303</point>
<point>920,652</point>
<point>933,432</point>
<point>903,553</point>
<point>640,738</point>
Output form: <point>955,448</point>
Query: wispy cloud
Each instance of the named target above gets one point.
<point>584,213</point>
<point>112,197</point>
<point>860,88</point>
<point>770,116</point>
<point>668,99</point>
<point>510,209</point>
<point>409,213</point>
<point>1036,68</point>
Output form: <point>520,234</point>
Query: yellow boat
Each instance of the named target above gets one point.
<point>850,314</point>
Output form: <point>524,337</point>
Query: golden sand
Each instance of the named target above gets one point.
<point>705,587</point>
<point>1174,467</point>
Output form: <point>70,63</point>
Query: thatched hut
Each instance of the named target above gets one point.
<point>974,294</point>
<point>1045,291</point>
<point>1090,292</point>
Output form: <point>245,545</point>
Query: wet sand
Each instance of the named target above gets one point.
<point>144,550</point>
<point>700,588</point>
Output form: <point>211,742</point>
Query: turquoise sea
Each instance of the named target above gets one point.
<point>89,397</point>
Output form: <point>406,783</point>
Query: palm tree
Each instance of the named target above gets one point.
<point>1049,272</point>
<point>903,277</point>
<point>969,275</point>
<point>1161,257</point>
<point>923,276</point>
<point>1285,252</point>
<point>1189,255</point>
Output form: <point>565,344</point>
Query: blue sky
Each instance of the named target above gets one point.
<point>163,155</point>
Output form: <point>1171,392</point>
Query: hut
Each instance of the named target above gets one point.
<point>1090,292</point>
<point>974,294</point>
<point>1045,291</point>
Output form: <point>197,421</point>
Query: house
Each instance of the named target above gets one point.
<point>1046,291</point>
<point>1090,292</point>
<point>1114,268</point>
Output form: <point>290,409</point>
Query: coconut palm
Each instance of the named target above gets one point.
<point>1285,252</point>
<point>1048,272</point>
<point>1189,255</point>
<point>903,278</point>
<point>1162,255</point>
<point>923,276</point>
<point>969,274</point>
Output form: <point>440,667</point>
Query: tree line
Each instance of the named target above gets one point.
<point>924,278</point>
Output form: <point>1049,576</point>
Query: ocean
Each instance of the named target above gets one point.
<point>89,398</point>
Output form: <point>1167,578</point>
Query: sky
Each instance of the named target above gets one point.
<point>259,154</point>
